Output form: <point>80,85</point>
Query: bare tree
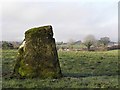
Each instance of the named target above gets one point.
<point>89,41</point>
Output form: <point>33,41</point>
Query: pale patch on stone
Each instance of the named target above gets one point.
<point>22,45</point>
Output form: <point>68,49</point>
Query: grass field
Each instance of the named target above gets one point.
<point>80,70</point>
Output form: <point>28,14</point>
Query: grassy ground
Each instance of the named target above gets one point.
<point>80,69</point>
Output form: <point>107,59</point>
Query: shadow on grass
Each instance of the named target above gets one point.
<point>78,75</point>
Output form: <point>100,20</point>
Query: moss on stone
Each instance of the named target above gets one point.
<point>38,57</point>
<point>25,70</point>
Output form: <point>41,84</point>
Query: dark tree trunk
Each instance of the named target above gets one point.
<point>88,47</point>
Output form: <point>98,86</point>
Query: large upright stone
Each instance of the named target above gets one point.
<point>37,56</point>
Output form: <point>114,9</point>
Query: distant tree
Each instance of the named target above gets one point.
<point>16,44</point>
<point>7,45</point>
<point>89,41</point>
<point>105,40</point>
<point>97,43</point>
<point>57,47</point>
<point>59,43</point>
<point>71,42</point>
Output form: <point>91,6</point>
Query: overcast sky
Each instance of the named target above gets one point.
<point>70,19</point>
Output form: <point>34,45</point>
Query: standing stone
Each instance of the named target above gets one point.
<point>37,56</point>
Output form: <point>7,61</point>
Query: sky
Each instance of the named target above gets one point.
<point>70,19</point>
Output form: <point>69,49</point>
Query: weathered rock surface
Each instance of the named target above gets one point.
<point>37,56</point>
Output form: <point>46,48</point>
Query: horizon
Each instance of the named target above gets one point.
<point>60,41</point>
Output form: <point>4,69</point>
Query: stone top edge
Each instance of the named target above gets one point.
<point>47,27</point>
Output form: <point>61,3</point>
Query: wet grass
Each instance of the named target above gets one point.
<point>80,70</point>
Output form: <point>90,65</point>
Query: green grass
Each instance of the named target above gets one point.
<point>80,70</point>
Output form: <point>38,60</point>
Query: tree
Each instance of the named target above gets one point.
<point>59,43</point>
<point>97,43</point>
<point>105,40</point>
<point>7,45</point>
<point>89,41</point>
<point>71,42</point>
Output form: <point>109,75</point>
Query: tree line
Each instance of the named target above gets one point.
<point>90,40</point>
<point>9,45</point>
<point>90,43</point>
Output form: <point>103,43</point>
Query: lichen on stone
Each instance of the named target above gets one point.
<point>37,56</point>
